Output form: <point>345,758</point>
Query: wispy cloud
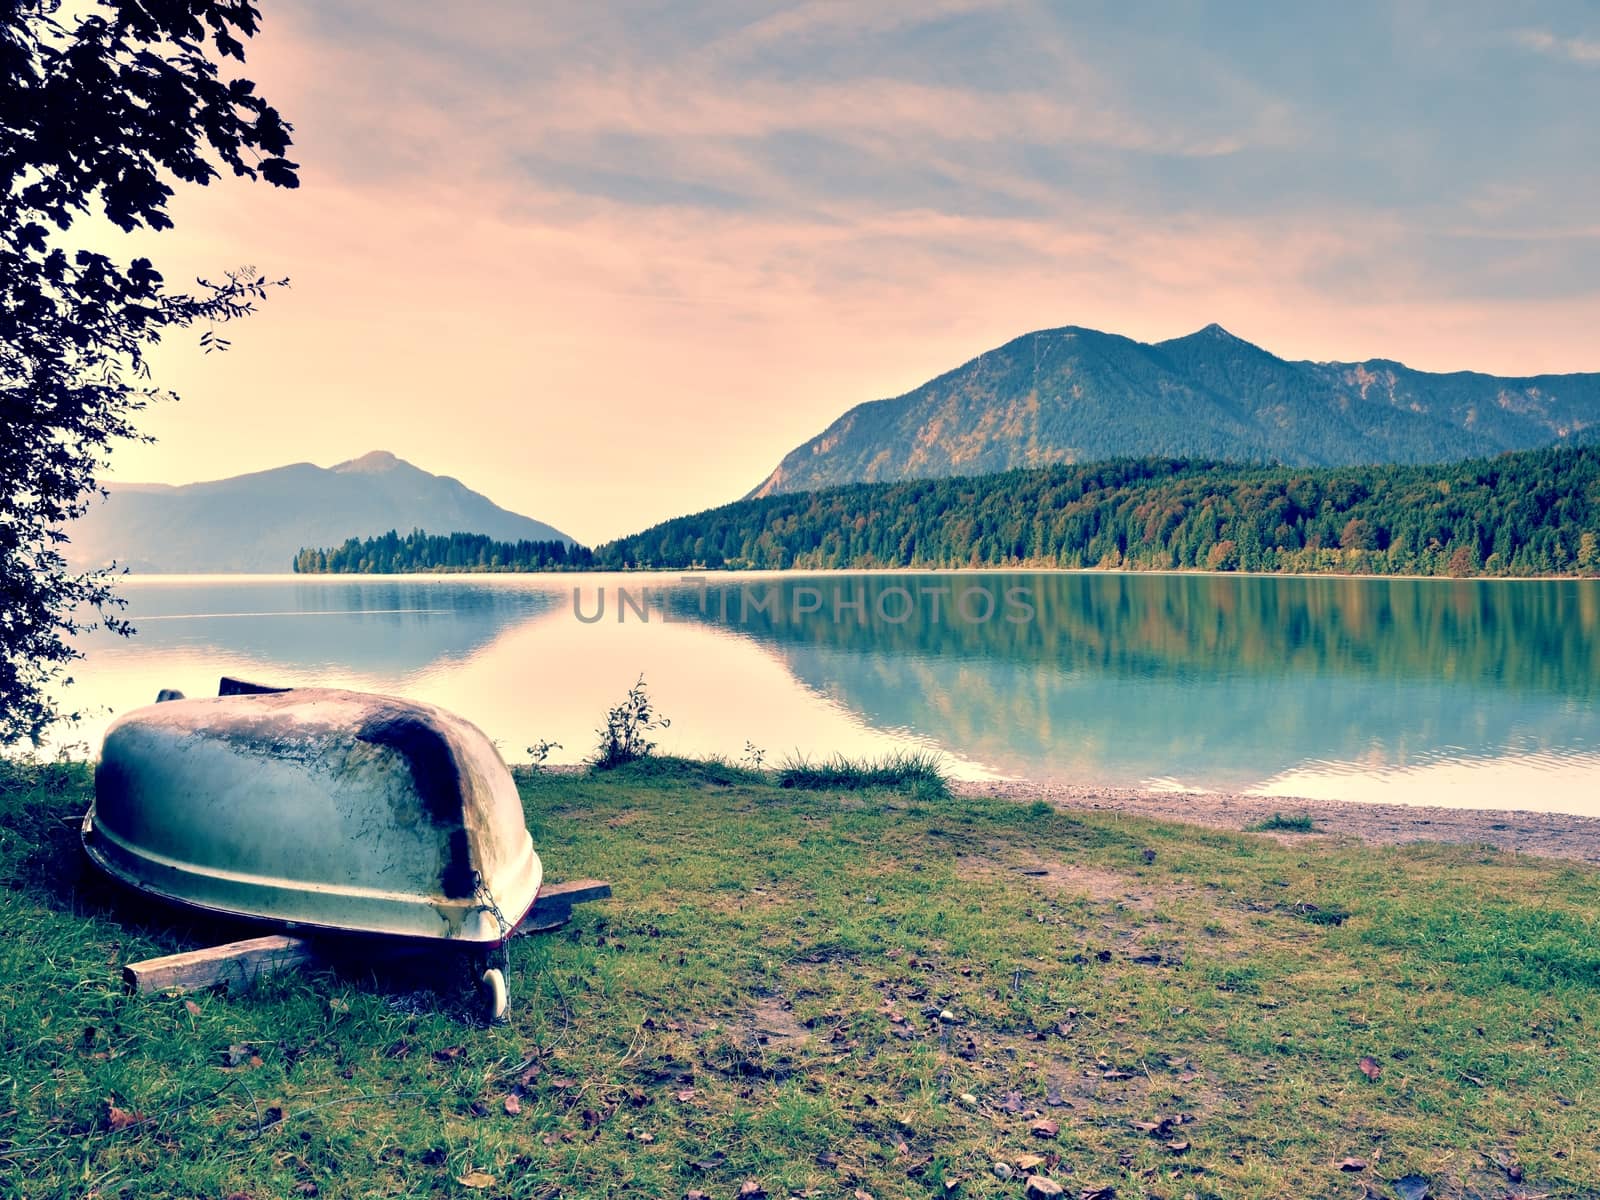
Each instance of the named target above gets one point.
<point>1573,49</point>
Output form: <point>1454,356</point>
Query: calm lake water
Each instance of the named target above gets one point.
<point>1469,693</point>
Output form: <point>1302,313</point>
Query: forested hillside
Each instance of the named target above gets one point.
<point>1530,513</point>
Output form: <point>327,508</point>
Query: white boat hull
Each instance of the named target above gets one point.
<point>317,808</point>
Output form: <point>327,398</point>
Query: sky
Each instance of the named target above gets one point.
<point>608,263</point>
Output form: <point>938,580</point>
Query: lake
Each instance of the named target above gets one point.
<point>1480,693</point>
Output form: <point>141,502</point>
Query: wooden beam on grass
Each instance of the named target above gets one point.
<point>239,964</point>
<point>235,963</point>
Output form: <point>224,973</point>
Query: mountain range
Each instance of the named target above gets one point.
<point>257,522</point>
<point>1076,395</point>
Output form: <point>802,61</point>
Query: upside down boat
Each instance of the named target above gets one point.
<point>318,809</point>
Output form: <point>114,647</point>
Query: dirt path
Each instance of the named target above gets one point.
<point>1553,835</point>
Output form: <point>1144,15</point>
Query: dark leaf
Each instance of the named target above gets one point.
<point>1411,1187</point>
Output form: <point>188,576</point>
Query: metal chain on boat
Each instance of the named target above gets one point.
<point>487,903</point>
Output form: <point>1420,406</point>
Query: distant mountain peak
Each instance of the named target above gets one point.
<point>1212,333</point>
<point>257,522</point>
<point>1075,395</point>
<point>370,463</point>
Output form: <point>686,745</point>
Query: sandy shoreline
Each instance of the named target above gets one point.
<point>1551,835</point>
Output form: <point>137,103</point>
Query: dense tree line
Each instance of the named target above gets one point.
<point>392,554</point>
<point>1529,513</point>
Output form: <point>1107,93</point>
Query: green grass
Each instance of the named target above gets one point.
<point>920,773</point>
<point>762,1000</point>
<point>1278,823</point>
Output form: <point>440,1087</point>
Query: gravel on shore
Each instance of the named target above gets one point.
<point>1550,835</point>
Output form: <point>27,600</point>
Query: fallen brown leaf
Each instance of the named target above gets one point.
<point>1027,1162</point>
<point>512,1105</point>
<point>1177,1146</point>
<point>192,1008</point>
<point>1351,1164</point>
<point>449,1054</point>
<point>752,1190</point>
<point>476,1180</point>
<point>1044,1128</point>
<point>1369,1067</point>
<point>118,1119</point>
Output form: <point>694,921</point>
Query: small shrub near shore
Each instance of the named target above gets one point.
<point>625,735</point>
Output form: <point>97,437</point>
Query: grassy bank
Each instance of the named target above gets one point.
<point>839,993</point>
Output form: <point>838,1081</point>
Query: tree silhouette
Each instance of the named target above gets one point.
<point>98,114</point>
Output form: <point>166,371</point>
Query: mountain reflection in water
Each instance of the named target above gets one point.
<point>1422,691</point>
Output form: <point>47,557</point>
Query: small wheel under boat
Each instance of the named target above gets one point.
<point>493,987</point>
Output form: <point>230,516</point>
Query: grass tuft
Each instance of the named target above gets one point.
<point>919,773</point>
<point>1279,823</point>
